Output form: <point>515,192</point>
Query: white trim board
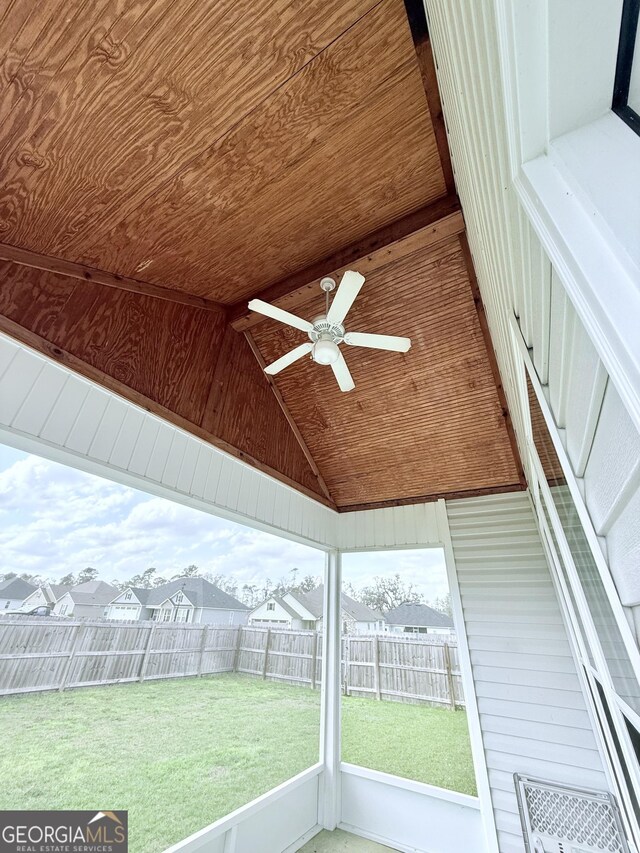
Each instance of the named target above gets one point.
<point>226,831</point>
<point>409,816</point>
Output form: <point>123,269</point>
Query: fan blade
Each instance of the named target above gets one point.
<point>342,374</point>
<point>388,342</point>
<point>278,314</point>
<point>288,358</point>
<point>345,296</point>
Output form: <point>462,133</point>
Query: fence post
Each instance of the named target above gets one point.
<point>266,654</point>
<point>347,655</point>
<point>236,654</point>
<point>147,651</point>
<point>376,666</point>
<point>447,664</point>
<point>203,644</point>
<point>314,659</point>
<point>75,642</point>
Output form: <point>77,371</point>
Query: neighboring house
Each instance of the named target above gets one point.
<point>131,603</point>
<point>300,611</point>
<point>195,600</point>
<point>13,592</point>
<point>47,594</point>
<point>275,612</point>
<point>409,618</point>
<point>86,600</point>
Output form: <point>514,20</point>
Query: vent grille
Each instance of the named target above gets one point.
<point>554,816</point>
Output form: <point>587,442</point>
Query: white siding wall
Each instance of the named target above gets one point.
<point>10,603</point>
<point>512,76</point>
<point>532,712</point>
<point>209,616</point>
<point>49,410</point>
<point>36,599</point>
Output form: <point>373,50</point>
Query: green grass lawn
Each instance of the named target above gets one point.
<point>179,754</point>
<point>425,744</point>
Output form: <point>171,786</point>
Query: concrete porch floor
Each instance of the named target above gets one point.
<point>339,841</point>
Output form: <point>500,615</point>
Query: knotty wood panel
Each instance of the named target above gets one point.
<point>146,87</point>
<point>244,413</point>
<point>334,154</point>
<point>428,422</point>
<point>212,148</point>
<point>157,354</point>
<point>158,349</point>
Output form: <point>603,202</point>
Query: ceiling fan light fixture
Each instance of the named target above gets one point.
<point>327,331</point>
<point>325,352</point>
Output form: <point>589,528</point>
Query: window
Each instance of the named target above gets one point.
<point>166,614</point>
<point>403,687</point>
<point>609,658</point>
<point>127,595</point>
<point>604,619</point>
<point>271,605</point>
<point>178,597</point>
<point>63,609</point>
<point>7,603</point>
<point>182,614</point>
<point>626,93</point>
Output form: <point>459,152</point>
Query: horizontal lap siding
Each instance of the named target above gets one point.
<point>532,712</point>
<point>48,409</point>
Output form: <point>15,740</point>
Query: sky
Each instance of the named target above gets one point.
<point>55,520</point>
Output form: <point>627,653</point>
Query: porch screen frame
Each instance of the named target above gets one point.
<point>586,641</point>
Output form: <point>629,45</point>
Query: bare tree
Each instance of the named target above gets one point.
<point>386,593</point>
<point>443,604</point>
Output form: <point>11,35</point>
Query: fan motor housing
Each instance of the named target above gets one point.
<point>324,330</point>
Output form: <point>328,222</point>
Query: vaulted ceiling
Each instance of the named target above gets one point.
<point>163,162</point>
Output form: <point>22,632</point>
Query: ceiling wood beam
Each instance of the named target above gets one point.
<point>417,19</point>
<point>288,416</point>
<point>427,67</point>
<point>429,227</point>
<point>59,266</point>
<point>41,345</point>
<point>445,496</point>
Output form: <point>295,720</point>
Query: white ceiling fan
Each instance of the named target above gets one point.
<point>327,331</point>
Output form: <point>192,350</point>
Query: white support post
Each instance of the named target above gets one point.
<point>330,794</point>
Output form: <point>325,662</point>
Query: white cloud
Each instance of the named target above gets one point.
<point>55,520</point>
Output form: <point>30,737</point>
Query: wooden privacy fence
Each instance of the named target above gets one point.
<point>38,654</point>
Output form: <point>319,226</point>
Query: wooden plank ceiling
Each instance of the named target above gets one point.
<point>161,162</point>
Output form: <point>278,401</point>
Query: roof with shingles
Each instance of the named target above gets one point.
<point>59,589</point>
<point>199,591</point>
<point>140,592</point>
<point>97,593</point>
<point>314,601</point>
<point>16,588</point>
<point>419,616</point>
